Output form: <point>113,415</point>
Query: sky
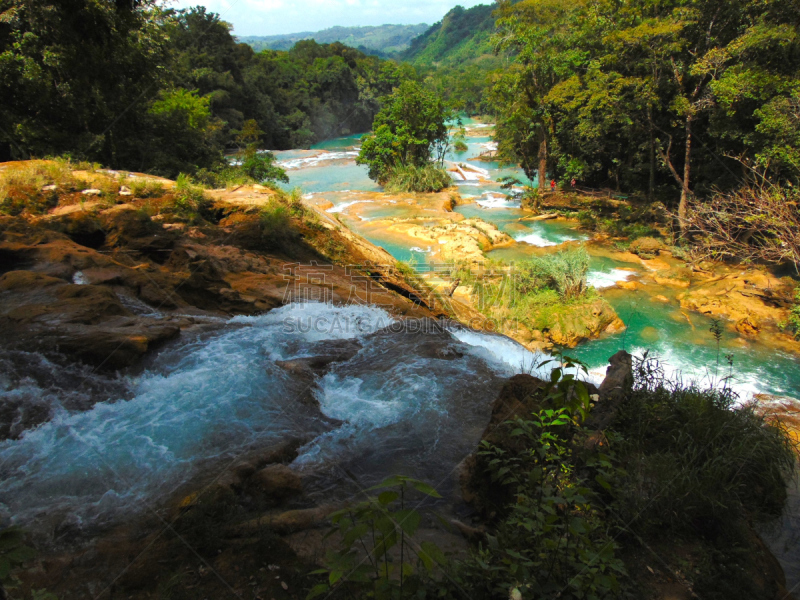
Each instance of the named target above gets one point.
<point>272,17</point>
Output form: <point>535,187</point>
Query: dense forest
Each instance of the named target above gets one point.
<point>168,91</point>
<point>640,96</point>
<point>650,96</point>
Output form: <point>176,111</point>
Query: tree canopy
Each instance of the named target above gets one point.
<point>645,95</point>
<point>136,86</point>
<point>409,131</point>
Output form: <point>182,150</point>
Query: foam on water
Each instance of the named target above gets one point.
<point>214,398</point>
<point>312,161</point>
<point>601,279</point>
<point>495,200</point>
<point>341,207</point>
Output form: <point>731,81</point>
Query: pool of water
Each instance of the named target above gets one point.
<point>682,339</point>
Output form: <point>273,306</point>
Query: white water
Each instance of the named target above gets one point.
<point>341,207</point>
<point>601,279</point>
<point>495,200</point>
<point>313,161</point>
<point>404,410</point>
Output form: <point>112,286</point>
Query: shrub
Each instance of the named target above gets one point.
<point>275,225</point>
<point>563,271</point>
<point>587,220</point>
<point>377,526</point>
<point>460,147</point>
<point>794,314</point>
<point>427,178</point>
<point>696,459</point>
<point>21,186</point>
<point>145,188</point>
<point>191,202</point>
<point>553,540</point>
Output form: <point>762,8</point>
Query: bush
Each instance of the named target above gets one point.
<point>190,202</point>
<point>383,523</point>
<point>794,314</point>
<point>428,178</point>
<point>21,186</point>
<point>696,459</point>
<point>275,225</point>
<point>564,271</point>
<point>553,539</point>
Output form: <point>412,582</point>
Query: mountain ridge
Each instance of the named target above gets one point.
<point>386,39</point>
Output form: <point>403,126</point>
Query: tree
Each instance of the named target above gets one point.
<point>73,73</point>
<point>537,33</point>
<point>409,131</point>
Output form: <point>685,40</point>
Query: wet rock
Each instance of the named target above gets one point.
<point>92,192</point>
<point>519,397</point>
<point>614,389</point>
<point>748,299</point>
<point>335,351</point>
<point>646,247</point>
<point>135,231</point>
<point>276,482</point>
<point>288,522</point>
<point>575,324</point>
<point>748,326</point>
<point>86,322</point>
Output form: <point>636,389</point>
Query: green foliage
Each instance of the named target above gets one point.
<point>794,314</point>
<point>553,540</point>
<point>695,458</point>
<point>563,271</point>
<point>413,178</point>
<point>21,188</point>
<point>13,555</point>
<point>165,91</point>
<point>378,555</point>
<point>144,188</point>
<point>275,225</point>
<point>190,202</point>
<point>409,131</point>
<point>615,93</point>
<point>456,57</point>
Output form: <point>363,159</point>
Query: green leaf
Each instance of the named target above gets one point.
<point>21,555</point>
<point>318,590</point>
<point>434,552</point>
<point>334,577</point>
<point>426,489</point>
<point>387,497</point>
<point>5,569</point>
<point>408,519</point>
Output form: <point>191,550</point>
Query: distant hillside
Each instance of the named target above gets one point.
<point>383,39</point>
<point>462,35</point>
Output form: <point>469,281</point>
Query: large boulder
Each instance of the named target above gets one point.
<point>84,322</point>
<point>646,247</point>
<point>572,324</point>
<point>276,482</point>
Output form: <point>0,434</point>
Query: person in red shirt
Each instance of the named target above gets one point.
<point>552,185</point>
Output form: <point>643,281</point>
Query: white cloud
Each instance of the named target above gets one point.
<point>271,17</point>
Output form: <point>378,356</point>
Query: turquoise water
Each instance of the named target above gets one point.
<point>342,143</point>
<point>682,339</point>
<point>332,178</point>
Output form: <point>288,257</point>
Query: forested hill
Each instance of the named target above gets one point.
<point>463,34</point>
<point>383,39</point>
<point>163,91</point>
<point>455,56</point>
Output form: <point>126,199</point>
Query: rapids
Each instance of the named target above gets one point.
<point>409,401</point>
